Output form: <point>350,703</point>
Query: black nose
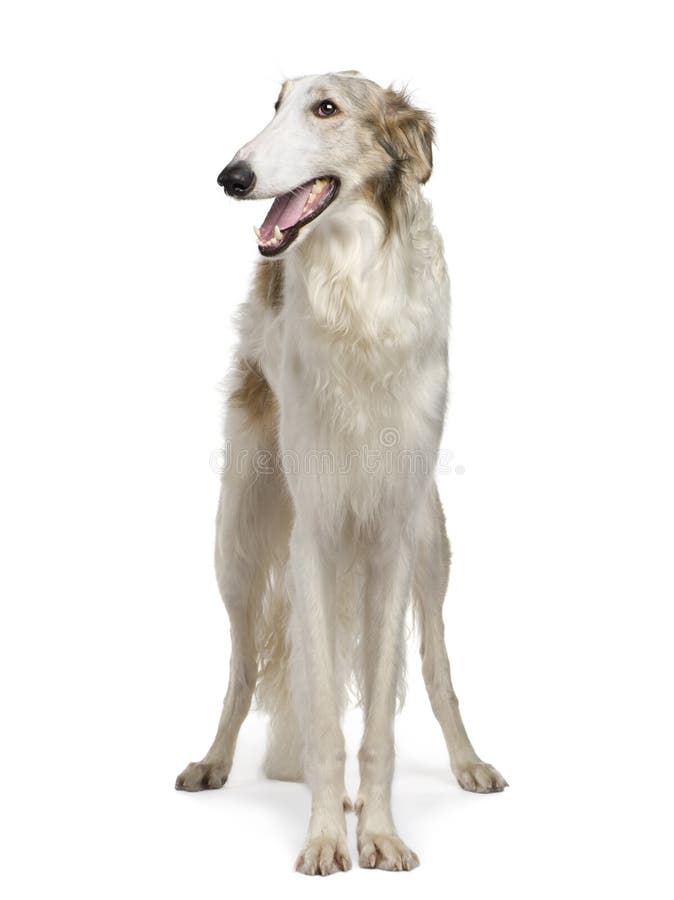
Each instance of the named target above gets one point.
<point>237,179</point>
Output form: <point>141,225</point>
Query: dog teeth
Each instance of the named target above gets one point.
<point>273,241</point>
<point>317,188</point>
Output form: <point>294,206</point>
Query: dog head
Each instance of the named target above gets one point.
<point>333,138</point>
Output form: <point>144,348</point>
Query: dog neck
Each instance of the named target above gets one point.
<point>362,286</point>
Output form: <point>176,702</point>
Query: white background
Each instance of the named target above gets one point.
<point>122,266</point>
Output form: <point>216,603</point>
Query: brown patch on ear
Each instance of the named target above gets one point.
<point>408,135</point>
<point>353,72</point>
<point>254,396</point>
<point>268,283</point>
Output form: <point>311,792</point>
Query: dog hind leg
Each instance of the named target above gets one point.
<point>431,575</point>
<point>285,745</point>
<point>252,529</point>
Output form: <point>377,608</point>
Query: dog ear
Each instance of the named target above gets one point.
<point>409,135</point>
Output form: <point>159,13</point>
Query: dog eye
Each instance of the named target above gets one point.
<point>325,109</point>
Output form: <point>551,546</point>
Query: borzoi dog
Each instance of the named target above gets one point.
<point>329,517</point>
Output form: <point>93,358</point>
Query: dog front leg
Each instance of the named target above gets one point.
<point>387,597</point>
<point>316,697</point>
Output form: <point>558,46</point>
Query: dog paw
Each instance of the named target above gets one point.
<point>386,851</point>
<point>202,776</point>
<point>324,856</point>
<point>480,777</point>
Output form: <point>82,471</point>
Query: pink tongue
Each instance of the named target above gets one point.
<point>285,211</point>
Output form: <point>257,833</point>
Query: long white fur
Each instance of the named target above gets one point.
<point>316,566</point>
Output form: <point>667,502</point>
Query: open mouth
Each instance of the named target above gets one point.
<point>292,211</point>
